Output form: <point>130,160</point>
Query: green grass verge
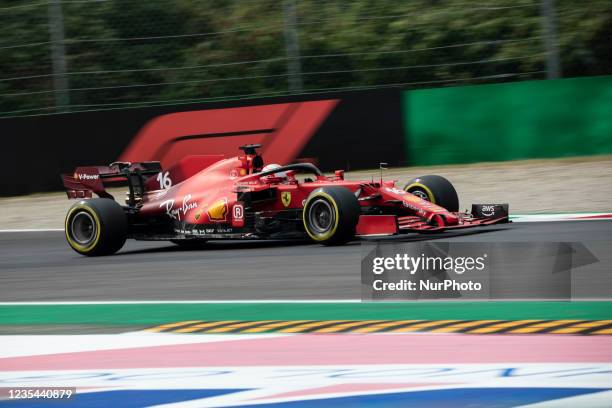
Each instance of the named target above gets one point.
<point>152,314</point>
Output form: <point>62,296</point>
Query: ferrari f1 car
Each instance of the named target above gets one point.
<point>213,197</point>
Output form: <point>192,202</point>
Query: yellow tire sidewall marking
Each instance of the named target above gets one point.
<point>331,232</point>
<point>78,247</point>
<point>430,194</point>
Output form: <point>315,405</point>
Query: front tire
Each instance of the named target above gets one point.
<point>96,227</point>
<point>435,189</point>
<point>330,215</point>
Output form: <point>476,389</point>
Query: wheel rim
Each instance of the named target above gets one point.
<point>421,194</point>
<point>321,217</point>
<point>83,228</point>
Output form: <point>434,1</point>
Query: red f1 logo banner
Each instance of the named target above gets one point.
<point>283,129</point>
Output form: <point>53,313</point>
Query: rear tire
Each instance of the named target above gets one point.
<point>96,227</point>
<point>435,189</point>
<point>330,215</point>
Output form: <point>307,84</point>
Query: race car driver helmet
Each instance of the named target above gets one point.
<point>273,166</point>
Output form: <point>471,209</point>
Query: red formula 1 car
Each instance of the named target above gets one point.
<point>213,197</point>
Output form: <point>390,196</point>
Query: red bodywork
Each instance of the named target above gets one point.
<point>217,197</point>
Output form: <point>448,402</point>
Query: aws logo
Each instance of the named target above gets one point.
<point>488,210</point>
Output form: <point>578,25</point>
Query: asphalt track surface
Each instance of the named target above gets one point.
<point>39,266</point>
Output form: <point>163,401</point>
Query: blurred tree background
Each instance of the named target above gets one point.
<point>123,53</point>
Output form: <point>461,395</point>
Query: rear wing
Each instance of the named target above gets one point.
<point>86,181</point>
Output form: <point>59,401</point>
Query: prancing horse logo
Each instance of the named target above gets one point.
<point>286,198</point>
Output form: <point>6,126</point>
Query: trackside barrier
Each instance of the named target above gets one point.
<point>509,121</point>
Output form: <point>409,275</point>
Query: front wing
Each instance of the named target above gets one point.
<point>481,215</point>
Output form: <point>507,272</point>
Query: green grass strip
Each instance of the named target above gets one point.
<point>152,314</point>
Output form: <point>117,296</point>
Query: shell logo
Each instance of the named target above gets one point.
<point>217,211</point>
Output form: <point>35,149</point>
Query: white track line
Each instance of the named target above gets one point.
<point>260,301</point>
<point>559,217</point>
<point>163,302</point>
<point>32,230</point>
<point>18,345</point>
